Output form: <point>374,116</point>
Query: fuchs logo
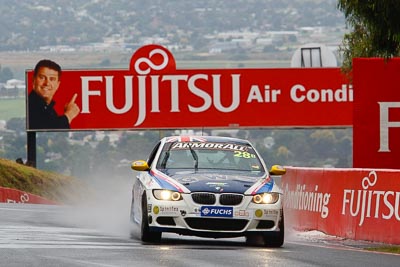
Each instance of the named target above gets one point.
<point>210,211</point>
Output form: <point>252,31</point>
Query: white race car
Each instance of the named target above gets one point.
<point>207,186</point>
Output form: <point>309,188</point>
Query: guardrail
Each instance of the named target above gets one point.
<point>360,204</point>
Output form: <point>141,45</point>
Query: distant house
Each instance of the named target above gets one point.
<point>13,88</point>
<point>3,124</point>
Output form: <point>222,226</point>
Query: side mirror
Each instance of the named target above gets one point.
<point>140,165</point>
<point>277,170</point>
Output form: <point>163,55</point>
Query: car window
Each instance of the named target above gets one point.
<point>153,154</point>
<point>211,156</point>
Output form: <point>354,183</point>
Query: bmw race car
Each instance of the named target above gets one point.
<point>207,186</point>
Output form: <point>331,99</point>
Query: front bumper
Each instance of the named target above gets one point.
<point>231,215</point>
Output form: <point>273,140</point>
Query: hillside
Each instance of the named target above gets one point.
<point>33,25</point>
<point>53,186</point>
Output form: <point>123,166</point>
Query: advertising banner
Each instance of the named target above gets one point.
<point>360,204</point>
<point>11,195</point>
<point>153,94</point>
<point>376,130</point>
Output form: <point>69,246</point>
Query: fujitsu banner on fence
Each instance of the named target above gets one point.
<point>152,93</point>
<point>361,204</point>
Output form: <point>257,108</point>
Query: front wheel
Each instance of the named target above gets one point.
<point>275,239</point>
<point>145,234</point>
<point>132,220</point>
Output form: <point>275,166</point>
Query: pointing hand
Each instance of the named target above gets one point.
<point>71,109</point>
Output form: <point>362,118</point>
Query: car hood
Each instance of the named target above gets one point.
<point>220,182</point>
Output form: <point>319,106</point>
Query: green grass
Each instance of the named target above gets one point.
<point>12,108</point>
<point>53,186</point>
<point>388,249</point>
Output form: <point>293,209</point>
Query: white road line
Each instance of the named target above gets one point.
<point>65,246</point>
<point>59,237</point>
<point>75,261</point>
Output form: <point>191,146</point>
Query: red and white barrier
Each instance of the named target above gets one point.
<point>361,204</point>
<point>9,195</point>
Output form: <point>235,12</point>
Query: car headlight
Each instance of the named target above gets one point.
<point>266,198</point>
<point>162,194</point>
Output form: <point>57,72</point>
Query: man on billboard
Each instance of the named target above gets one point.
<point>41,112</point>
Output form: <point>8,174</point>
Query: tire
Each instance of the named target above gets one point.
<point>254,240</point>
<point>275,239</point>
<point>145,234</point>
<point>132,214</point>
<point>132,221</point>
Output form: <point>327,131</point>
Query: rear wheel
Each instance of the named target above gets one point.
<point>275,239</point>
<point>145,234</point>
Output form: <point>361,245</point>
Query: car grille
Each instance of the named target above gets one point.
<point>230,199</point>
<point>216,224</point>
<point>205,198</point>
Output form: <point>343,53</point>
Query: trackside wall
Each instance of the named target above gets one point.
<point>10,195</point>
<point>361,204</point>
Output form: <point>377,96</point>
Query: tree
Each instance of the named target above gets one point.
<point>375,29</point>
<point>6,74</point>
<point>105,62</point>
<point>16,124</point>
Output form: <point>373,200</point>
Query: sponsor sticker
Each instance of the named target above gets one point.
<point>215,211</point>
<point>241,213</point>
<point>271,212</point>
<point>168,209</point>
<point>208,145</point>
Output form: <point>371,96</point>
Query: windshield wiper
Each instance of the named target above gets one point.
<point>195,157</point>
<point>164,161</point>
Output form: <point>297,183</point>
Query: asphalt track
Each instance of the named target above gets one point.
<point>41,235</point>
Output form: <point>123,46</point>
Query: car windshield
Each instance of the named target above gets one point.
<point>207,155</point>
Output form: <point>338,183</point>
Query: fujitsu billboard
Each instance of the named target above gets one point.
<point>153,94</point>
<point>376,131</point>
